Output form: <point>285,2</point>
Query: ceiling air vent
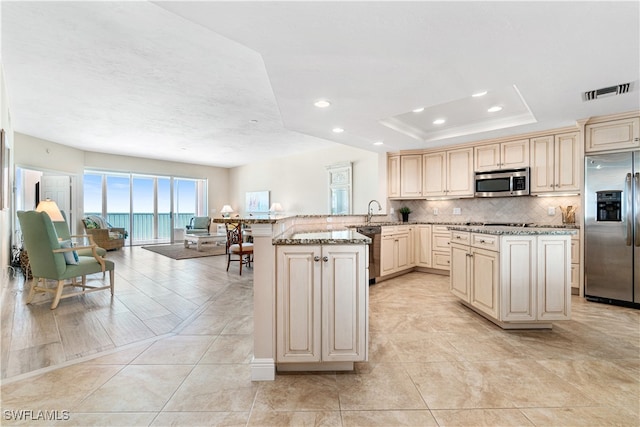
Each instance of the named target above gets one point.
<point>607,91</point>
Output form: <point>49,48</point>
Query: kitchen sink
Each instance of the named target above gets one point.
<point>369,229</point>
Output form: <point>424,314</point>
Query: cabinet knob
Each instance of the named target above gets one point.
<point>325,259</point>
<point>316,258</point>
<point>482,241</point>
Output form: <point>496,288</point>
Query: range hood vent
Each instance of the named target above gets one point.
<point>607,91</point>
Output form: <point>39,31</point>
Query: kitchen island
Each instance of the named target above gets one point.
<point>517,277</point>
<point>291,290</point>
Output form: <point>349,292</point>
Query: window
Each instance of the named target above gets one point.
<point>144,205</point>
<point>340,177</point>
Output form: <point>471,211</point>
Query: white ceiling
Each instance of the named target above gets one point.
<point>231,83</point>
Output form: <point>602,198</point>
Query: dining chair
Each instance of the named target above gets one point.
<point>236,247</point>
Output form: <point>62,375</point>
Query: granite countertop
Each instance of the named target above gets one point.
<point>342,236</point>
<point>511,230</point>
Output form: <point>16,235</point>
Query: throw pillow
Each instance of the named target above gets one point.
<point>89,223</point>
<point>72,256</point>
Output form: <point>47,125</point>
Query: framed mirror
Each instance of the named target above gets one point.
<point>340,184</point>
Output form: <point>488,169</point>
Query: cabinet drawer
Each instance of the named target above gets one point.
<point>442,260</point>
<point>388,229</point>
<point>440,229</point>
<point>460,237</point>
<point>485,241</point>
<point>441,242</point>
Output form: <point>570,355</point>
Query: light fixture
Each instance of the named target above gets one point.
<point>418,110</point>
<point>439,121</point>
<point>275,208</point>
<point>338,130</point>
<point>51,208</point>
<point>494,109</point>
<point>322,103</point>
<point>378,143</point>
<point>479,94</point>
<point>226,211</point>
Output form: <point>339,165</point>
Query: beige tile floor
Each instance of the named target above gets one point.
<point>432,361</point>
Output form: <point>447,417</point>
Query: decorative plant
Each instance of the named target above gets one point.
<point>404,210</point>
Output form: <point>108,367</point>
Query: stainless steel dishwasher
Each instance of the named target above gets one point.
<point>374,233</point>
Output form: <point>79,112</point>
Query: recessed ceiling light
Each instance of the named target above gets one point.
<point>479,94</point>
<point>322,103</point>
<point>494,109</point>
<point>378,143</point>
<point>253,121</point>
<point>338,130</point>
<point>439,121</point>
<point>419,110</point>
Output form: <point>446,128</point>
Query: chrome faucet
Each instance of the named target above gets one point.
<point>370,210</point>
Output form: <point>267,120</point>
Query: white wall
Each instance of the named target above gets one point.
<point>5,214</point>
<point>300,182</point>
<point>38,154</point>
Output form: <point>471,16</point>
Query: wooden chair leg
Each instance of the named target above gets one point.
<point>228,260</point>
<point>32,291</point>
<point>241,262</point>
<point>56,299</point>
<point>111,272</point>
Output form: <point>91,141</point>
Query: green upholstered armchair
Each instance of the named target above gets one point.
<point>56,260</point>
<point>62,230</point>
<point>199,225</point>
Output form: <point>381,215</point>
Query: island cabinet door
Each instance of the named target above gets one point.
<point>298,303</point>
<point>345,295</point>
<point>518,278</point>
<point>459,279</point>
<point>485,275</point>
<point>554,277</point>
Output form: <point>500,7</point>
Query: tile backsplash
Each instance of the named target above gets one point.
<point>500,209</point>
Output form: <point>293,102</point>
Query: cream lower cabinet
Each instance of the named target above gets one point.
<point>515,281</point>
<point>395,249</point>
<point>322,294</point>
<point>423,245</point>
<point>441,251</point>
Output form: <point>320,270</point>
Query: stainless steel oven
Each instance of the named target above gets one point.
<point>502,183</point>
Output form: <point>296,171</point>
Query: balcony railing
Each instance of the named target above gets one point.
<point>143,225</point>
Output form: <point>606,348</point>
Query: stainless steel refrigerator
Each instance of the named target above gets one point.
<point>612,228</point>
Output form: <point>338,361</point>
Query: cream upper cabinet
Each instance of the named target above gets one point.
<point>411,175</point>
<point>555,163</point>
<point>393,176</point>
<point>460,172</point>
<point>434,172</point>
<point>613,135</point>
<point>506,155</point>
<point>321,303</point>
<point>448,173</point>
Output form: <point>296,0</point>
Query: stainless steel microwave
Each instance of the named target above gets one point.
<point>502,183</point>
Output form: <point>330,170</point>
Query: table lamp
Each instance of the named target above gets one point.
<point>226,211</point>
<point>51,208</point>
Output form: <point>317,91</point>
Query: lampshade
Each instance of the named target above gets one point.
<point>276,207</point>
<point>226,210</point>
<point>51,208</point>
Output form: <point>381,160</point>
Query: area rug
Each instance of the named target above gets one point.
<point>178,251</point>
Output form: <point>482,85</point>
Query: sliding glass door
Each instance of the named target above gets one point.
<point>146,206</point>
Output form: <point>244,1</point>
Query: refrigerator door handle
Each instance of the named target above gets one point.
<point>629,220</point>
<point>636,185</point>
